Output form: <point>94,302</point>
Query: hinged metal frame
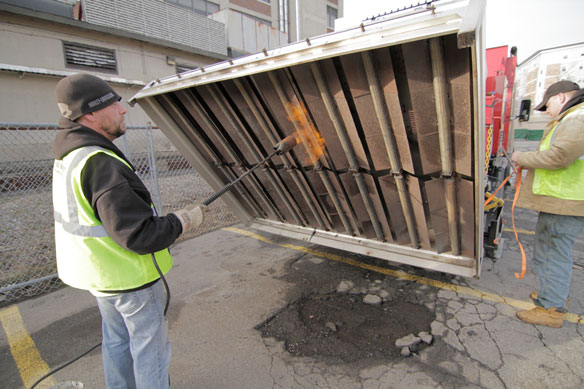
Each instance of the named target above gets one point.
<point>456,17</point>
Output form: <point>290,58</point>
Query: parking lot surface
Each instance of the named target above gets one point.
<point>253,310</point>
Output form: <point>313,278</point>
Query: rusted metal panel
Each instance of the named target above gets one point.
<point>222,170</point>
<point>458,71</point>
<point>383,64</point>
<point>438,214</point>
<point>227,123</point>
<point>331,78</point>
<point>347,207</point>
<point>247,124</point>
<point>274,196</point>
<point>396,217</point>
<point>398,121</point>
<point>309,91</point>
<point>277,111</point>
<point>379,207</point>
<point>244,95</point>
<point>290,177</point>
<point>418,205</point>
<point>202,124</point>
<point>365,117</point>
<point>418,73</point>
<point>227,150</point>
<point>466,214</point>
<point>319,190</point>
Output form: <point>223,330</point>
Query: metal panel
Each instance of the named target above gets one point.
<point>387,160</point>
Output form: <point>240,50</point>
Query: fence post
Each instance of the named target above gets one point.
<point>127,152</point>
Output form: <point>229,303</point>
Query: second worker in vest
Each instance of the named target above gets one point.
<point>555,188</point>
<point>109,239</point>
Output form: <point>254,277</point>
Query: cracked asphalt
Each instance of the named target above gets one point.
<point>226,283</point>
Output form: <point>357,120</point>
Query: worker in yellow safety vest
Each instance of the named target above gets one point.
<point>555,188</point>
<point>109,239</point>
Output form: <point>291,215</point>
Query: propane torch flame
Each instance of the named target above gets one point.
<point>307,134</point>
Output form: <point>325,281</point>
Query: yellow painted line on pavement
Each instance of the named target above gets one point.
<point>24,351</point>
<point>520,231</point>
<point>571,317</point>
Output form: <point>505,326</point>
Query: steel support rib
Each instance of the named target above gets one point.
<point>216,161</point>
<point>252,179</point>
<point>445,140</point>
<point>235,124</point>
<point>450,188</point>
<point>390,145</point>
<point>335,116</point>
<point>329,187</point>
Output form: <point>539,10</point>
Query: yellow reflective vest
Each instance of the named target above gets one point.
<point>87,258</point>
<point>565,183</point>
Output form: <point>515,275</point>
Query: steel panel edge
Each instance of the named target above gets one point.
<point>447,263</point>
<point>478,56</point>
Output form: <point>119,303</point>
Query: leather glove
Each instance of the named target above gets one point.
<point>191,217</point>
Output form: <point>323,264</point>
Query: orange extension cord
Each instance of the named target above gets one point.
<point>518,173</point>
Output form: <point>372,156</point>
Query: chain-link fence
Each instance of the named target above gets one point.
<point>27,247</point>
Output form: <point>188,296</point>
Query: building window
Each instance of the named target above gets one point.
<point>331,15</point>
<point>78,55</point>
<point>283,15</point>
<point>202,7</point>
<point>265,1</point>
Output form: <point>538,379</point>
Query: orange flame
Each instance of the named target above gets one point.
<point>307,134</point>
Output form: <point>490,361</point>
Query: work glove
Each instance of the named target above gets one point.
<point>191,217</point>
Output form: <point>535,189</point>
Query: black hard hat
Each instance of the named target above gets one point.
<point>81,93</point>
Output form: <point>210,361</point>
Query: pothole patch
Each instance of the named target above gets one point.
<point>343,327</point>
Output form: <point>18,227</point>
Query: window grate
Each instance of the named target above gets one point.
<point>332,15</point>
<point>78,55</point>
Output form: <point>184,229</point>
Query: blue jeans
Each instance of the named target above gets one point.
<point>135,346</point>
<point>554,238</point>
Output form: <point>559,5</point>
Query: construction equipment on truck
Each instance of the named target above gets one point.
<point>501,65</point>
<point>392,117</point>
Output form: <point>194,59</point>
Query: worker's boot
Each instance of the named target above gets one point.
<point>533,296</point>
<point>550,317</point>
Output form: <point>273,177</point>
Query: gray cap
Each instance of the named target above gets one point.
<point>81,93</point>
<point>554,89</point>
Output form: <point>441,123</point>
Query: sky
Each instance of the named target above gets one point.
<point>530,25</point>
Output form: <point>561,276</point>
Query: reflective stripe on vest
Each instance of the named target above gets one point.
<point>568,183</point>
<point>87,258</point>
